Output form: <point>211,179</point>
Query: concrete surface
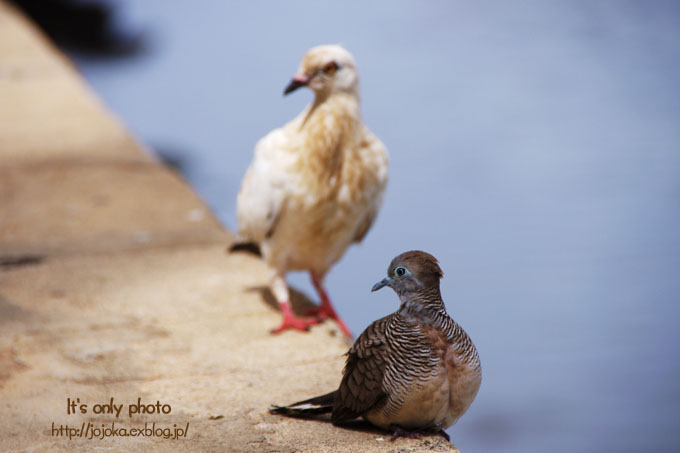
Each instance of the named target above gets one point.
<point>114,284</point>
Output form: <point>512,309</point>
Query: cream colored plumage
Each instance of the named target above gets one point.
<point>316,184</point>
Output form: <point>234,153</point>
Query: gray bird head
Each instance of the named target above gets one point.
<point>412,273</point>
<point>326,69</point>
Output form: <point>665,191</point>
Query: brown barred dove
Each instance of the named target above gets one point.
<point>413,372</point>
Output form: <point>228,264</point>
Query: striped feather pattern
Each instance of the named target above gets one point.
<point>416,368</point>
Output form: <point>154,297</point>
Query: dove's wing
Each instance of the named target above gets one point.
<point>265,188</point>
<point>361,388</point>
<point>374,155</point>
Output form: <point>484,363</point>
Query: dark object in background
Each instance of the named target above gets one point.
<point>87,27</point>
<point>12,262</point>
<point>247,247</point>
<point>172,157</point>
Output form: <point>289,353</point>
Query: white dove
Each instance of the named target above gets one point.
<point>315,185</point>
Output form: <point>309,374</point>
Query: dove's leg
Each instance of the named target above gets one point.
<point>290,321</point>
<point>326,309</point>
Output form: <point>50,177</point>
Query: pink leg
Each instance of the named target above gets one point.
<point>290,321</point>
<point>326,309</point>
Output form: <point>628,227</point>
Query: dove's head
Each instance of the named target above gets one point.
<point>412,273</point>
<point>326,69</point>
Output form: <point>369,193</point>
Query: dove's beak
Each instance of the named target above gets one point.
<point>384,282</point>
<point>298,80</point>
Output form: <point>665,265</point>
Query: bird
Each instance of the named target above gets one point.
<point>314,186</point>
<point>413,372</point>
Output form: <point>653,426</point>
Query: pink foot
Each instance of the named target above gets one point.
<point>290,321</point>
<point>326,312</point>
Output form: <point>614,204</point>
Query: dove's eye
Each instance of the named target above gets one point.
<point>400,271</point>
<point>330,68</point>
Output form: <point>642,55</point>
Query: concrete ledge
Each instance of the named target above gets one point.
<point>58,207</point>
<point>47,111</point>
<point>114,283</point>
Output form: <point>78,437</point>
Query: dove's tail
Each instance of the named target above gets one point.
<point>308,408</point>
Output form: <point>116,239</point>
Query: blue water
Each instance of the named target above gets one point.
<point>535,150</point>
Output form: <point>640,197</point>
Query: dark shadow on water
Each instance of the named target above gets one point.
<point>173,158</point>
<point>89,28</point>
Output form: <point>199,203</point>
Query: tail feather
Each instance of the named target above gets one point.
<point>248,247</point>
<point>324,400</point>
<point>308,408</point>
<point>306,412</point>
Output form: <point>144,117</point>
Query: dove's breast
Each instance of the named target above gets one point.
<point>326,210</point>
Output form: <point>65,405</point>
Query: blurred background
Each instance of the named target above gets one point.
<point>535,150</point>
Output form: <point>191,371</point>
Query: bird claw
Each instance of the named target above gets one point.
<point>292,322</point>
<point>398,431</point>
<point>323,313</point>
